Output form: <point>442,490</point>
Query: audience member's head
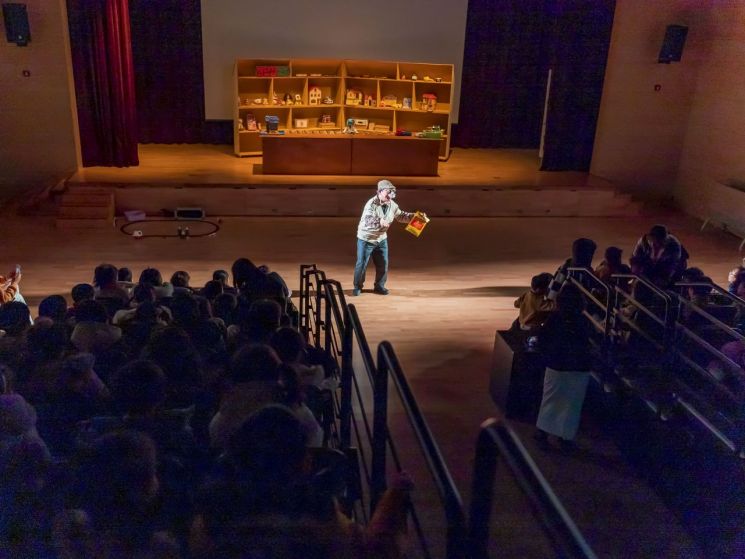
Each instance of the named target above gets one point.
<point>91,311</point>
<point>139,387</point>
<point>244,271</point>
<point>180,279</point>
<point>657,235</point>
<point>254,363</point>
<point>105,276</point>
<point>540,283</point>
<point>222,276</point>
<point>289,345</point>
<point>151,276</point>
<point>269,447</point>
<point>693,275</point>
<point>82,292</point>
<point>118,478</point>
<point>613,256</point>
<point>224,307</point>
<point>53,307</point>
<point>143,292</point>
<point>185,309</point>
<point>46,340</point>
<point>15,318</point>
<point>212,289</point>
<point>76,371</point>
<point>124,275</point>
<point>582,252</point>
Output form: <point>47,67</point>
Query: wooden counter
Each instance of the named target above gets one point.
<point>340,154</point>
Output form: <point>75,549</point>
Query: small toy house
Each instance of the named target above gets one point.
<point>354,97</point>
<point>314,96</point>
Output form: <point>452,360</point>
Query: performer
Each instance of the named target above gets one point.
<point>372,236</point>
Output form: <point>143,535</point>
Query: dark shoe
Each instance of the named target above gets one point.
<point>381,291</point>
<point>356,292</point>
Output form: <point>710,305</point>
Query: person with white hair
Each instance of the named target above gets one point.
<point>372,236</point>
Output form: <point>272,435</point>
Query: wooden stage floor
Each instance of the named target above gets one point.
<point>201,164</point>
<point>450,290</point>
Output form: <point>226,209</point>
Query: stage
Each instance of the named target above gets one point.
<point>472,182</point>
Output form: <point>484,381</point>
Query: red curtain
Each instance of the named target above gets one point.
<point>104,81</point>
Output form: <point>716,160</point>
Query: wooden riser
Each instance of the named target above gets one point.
<point>85,208</point>
<point>63,223</point>
<point>339,202</point>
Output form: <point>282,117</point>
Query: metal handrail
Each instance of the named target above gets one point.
<point>388,364</point>
<point>496,439</point>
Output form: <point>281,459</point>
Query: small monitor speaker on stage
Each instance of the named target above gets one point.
<point>189,213</point>
<point>672,45</point>
<point>15,20</point>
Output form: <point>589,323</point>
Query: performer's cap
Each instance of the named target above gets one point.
<point>385,184</point>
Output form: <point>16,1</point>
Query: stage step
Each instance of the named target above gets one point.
<point>86,208</point>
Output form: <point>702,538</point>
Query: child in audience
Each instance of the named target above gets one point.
<point>533,304</point>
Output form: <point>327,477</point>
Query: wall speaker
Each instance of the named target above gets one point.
<point>16,24</point>
<point>189,213</point>
<point>672,45</point>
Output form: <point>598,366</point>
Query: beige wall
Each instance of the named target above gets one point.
<point>641,131</point>
<point>714,147</point>
<point>38,131</point>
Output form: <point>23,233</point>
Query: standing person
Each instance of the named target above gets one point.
<point>372,236</point>
<point>564,342</point>
<point>663,258</point>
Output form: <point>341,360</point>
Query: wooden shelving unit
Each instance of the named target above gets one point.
<point>378,81</point>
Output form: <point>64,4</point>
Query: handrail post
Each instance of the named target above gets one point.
<point>380,434</point>
<point>319,297</point>
<point>482,492</point>
<point>345,407</point>
<point>328,329</point>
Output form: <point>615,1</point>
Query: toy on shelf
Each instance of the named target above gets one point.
<point>241,128</point>
<point>272,124</point>
<point>350,128</point>
<point>389,101</point>
<point>325,121</point>
<point>406,103</point>
<point>429,102</point>
<point>327,101</point>
<point>314,96</point>
<point>287,99</point>
<point>414,77</point>
<point>275,99</point>
<point>251,124</point>
<point>354,97</point>
<point>298,99</point>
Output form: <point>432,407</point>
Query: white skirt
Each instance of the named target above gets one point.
<point>561,406</point>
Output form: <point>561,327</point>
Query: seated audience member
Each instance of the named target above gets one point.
<point>277,278</point>
<point>253,378</point>
<point>117,503</point>
<point>582,252</point>
<point>25,462</point>
<point>180,282</point>
<point>270,505</point>
<point>662,256</point>
<point>78,395</point>
<point>15,319</point>
<point>533,305</point>
<point>142,292</point>
<point>256,322</point>
<point>46,343</point>
<point>290,393</point>
<point>732,276</point>
<point>224,307</point>
<point>92,332</point>
<point>79,293</point>
<point>292,350</point>
<point>54,308</point>
<point>223,277</point>
<point>212,289</point>
<point>124,279</point>
<point>252,282</point>
<point>613,264</point>
<point>10,287</point>
<point>206,333</point>
<point>172,350</point>
<point>163,290</point>
<point>107,288</point>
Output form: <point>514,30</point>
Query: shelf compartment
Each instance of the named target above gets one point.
<point>368,87</point>
<point>418,121</point>
<point>370,69</point>
<point>260,112</point>
<point>330,87</point>
<point>291,86</point>
<point>434,71</point>
<point>378,117</point>
<point>254,88</point>
<point>442,91</point>
<point>310,66</point>
<point>313,116</point>
<point>399,90</point>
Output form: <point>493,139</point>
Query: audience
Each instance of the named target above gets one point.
<point>533,304</point>
<point>661,256</point>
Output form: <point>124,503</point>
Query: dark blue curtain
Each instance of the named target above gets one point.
<point>509,47</point>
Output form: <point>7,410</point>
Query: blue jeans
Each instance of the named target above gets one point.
<point>379,253</point>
